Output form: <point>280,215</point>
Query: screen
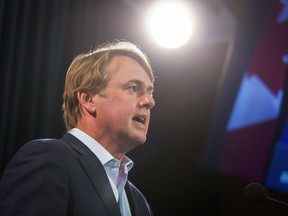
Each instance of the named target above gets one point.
<point>254,144</point>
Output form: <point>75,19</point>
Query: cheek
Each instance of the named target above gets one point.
<point>118,108</point>
<point>119,112</point>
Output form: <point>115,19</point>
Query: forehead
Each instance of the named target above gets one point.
<point>126,67</point>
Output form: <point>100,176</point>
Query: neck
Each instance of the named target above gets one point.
<point>114,148</point>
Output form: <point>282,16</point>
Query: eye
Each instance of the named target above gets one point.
<point>150,91</point>
<point>133,88</point>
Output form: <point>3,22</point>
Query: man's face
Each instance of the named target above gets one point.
<point>123,107</point>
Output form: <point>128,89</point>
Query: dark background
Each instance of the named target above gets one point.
<point>39,39</point>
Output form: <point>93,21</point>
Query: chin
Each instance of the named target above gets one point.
<point>139,138</point>
<point>142,140</point>
<point>138,141</point>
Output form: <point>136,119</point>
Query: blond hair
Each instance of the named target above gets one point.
<point>87,73</point>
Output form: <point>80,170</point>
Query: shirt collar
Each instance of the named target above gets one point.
<point>104,156</point>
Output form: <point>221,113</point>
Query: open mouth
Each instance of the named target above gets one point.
<point>140,119</point>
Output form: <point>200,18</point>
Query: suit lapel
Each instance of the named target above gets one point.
<point>138,204</point>
<point>130,198</point>
<point>96,173</point>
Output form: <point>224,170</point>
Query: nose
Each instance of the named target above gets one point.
<point>147,101</point>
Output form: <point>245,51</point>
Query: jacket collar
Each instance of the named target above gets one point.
<point>96,173</point>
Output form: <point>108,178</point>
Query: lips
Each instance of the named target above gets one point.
<point>140,119</point>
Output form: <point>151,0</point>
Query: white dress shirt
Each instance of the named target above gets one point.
<point>117,171</point>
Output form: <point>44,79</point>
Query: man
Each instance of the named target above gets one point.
<point>107,101</point>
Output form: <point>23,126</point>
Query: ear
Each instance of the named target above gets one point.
<point>86,101</point>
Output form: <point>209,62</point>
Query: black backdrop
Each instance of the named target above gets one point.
<point>39,39</point>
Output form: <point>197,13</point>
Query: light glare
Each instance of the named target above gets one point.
<point>169,24</point>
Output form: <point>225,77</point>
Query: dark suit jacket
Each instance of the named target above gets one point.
<point>61,177</point>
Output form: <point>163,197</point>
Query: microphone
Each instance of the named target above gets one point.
<point>256,192</point>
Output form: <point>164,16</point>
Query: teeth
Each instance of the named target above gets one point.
<point>140,119</point>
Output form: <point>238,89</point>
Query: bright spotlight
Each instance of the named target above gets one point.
<point>169,23</point>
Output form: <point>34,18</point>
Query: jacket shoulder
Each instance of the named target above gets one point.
<point>141,206</point>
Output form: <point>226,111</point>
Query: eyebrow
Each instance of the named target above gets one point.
<point>149,88</point>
